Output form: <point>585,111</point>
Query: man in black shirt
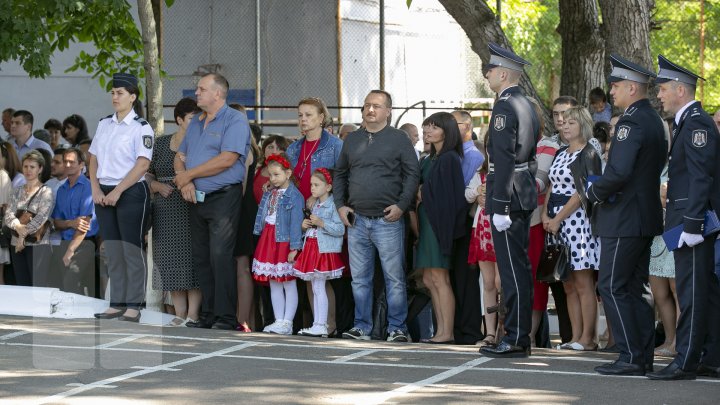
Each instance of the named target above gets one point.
<point>375,181</point>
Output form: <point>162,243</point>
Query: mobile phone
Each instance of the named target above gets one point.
<point>307,213</point>
<point>351,218</point>
<point>199,196</point>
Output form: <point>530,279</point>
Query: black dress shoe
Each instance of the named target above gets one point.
<point>135,318</point>
<point>200,323</point>
<point>224,325</point>
<point>708,371</point>
<point>111,315</point>
<point>621,368</point>
<point>435,342</point>
<point>505,350</point>
<point>672,372</point>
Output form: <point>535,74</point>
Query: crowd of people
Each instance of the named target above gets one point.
<point>359,234</point>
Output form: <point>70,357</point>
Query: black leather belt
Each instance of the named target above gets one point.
<point>223,189</point>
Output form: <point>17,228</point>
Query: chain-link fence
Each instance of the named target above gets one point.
<point>276,52</point>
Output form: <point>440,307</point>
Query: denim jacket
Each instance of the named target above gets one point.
<point>288,225</point>
<point>326,155</point>
<point>330,236</point>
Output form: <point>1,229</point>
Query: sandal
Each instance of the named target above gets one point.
<point>487,341</point>
<point>177,322</point>
<point>665,352</point>
<point>576,347</point>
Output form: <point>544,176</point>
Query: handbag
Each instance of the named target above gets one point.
<point>25,216</point>
<point>554,263</point>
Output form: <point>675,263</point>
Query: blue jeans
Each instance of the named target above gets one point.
<point>387,237</point>
<point>717,258</point>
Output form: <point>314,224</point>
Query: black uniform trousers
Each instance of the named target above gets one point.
<point>624,288</point>
<point>698,294</point>
<point>122,228</point>
<point>213,228</point>
<point>465,279</point>
<point>511,253</point>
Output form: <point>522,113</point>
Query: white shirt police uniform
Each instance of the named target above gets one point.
<point>118,145</point>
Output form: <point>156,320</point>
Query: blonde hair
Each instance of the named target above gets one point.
<point>34,156</point>
<point>583,117</point>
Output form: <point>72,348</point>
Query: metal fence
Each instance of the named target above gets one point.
<point>276,52</point>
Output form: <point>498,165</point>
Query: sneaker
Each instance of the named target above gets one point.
<point>273,327</point>
<point>285,328</point>
<point>397,336</point>
<point>355,333</point>
<point>317,330</point>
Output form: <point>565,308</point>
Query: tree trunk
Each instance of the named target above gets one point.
<point>626,29</point>
<point>583,49</point>
<point>153,84</point>
<point>481,26</point>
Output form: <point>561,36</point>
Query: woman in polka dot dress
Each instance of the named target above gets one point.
<point>565,218</point>
<point>482,252</point>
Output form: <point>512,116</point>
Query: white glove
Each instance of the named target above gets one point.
<point>690,239</point>
<point>501,222</point>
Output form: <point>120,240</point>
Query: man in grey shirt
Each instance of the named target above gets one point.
<point>376,178</point>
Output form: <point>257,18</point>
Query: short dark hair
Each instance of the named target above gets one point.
<point>453,140</point>
<point>9,111</point>
<point>597,95</point>
<point>184,107</point>
<point>52,123</point>
<point>26,115</point>
<point>78,153</point>
<point>572,101</point>
<point>78,122</point>
<point>388,97</point>
<point>601,131</point>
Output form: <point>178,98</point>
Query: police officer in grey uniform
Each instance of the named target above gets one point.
<point>120,156</point>
<point>627,216</point>
<point>511,196</point>
<point>693,190</point>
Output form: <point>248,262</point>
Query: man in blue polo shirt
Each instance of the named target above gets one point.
<point>74,216</point>
<point>210,167</point>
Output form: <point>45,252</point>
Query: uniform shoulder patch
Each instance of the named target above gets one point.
<point>699,138</point>
<point>499,122</point>
<point>630,111</point>
<point>104,118</point>
<point>505,97</point>
<point>141,120</point>
<point>623,131</point>
<point>147,141</point>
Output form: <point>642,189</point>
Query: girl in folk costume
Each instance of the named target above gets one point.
<point>278,222</point>
<point>320,259</point>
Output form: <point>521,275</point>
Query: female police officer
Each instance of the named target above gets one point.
<point>120,155</point>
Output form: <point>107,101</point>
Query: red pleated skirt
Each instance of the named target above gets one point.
<point>271,258</point>
<point>313,265</point>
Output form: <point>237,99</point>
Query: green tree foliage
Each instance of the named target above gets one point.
<point>677,36</point>
<point>31,31</point>
<point>531,28</point>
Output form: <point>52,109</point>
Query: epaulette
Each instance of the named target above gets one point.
<point>505,97</point>
<point>141,120</point>
<point>695,112</point>
<point>630,111</point>
<point>104,118</point>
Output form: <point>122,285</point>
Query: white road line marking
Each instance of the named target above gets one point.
<point>382,397</point>
<point>127,376</point>
<point>353,356</point>
<point>118,342</point>
<point>82,385</point>
<point>163,369</point>
<point>14,335</point>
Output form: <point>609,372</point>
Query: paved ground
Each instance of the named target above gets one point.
<point>108,362</point>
